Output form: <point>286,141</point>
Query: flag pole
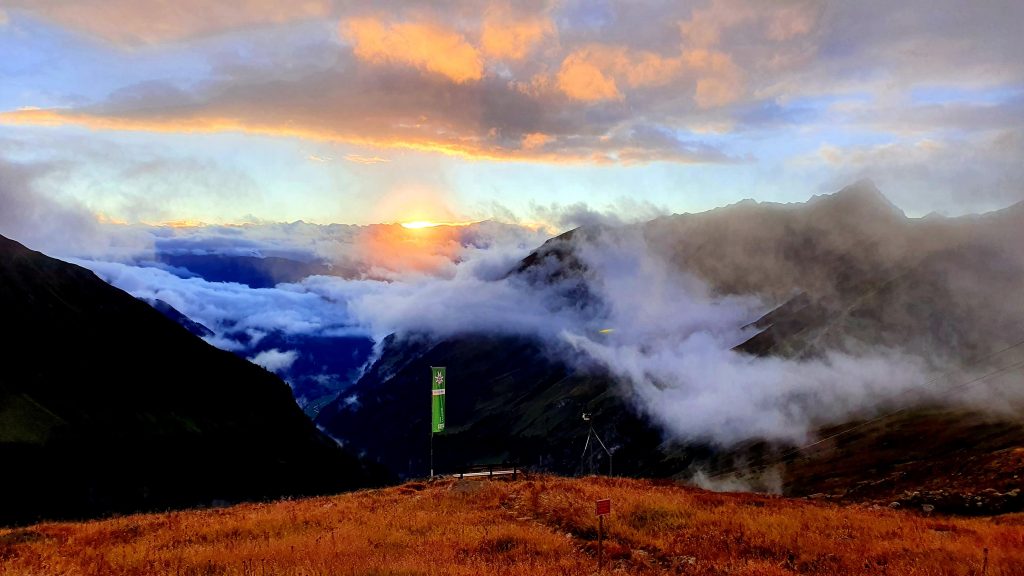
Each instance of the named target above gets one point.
<point>437,389</point>
<point>432,408</point>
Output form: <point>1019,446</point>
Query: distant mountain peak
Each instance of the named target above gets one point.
<point>858,199</point>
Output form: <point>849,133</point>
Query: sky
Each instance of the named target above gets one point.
<point>335,111</point>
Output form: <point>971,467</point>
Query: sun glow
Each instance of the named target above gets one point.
<point>420,224</point>
<point>417,224</point>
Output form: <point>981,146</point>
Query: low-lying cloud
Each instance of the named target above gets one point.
<point>227,307</point>
<point>275,360</point>
<point>670,340</point>
<point>626,307</point>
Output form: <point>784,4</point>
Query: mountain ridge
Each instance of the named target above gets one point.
<point>109,406</point>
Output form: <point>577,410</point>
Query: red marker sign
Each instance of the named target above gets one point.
<point>604,508</point>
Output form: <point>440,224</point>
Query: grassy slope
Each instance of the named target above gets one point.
<point>22,420</point>
<point>959,462</point>
<point>543,525</point>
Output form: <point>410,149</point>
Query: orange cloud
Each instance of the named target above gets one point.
<point>602,150</point>
<point>421,45</point>
<point>205,125</point>
<point>582,80</point>
<point>360,159</point>
<point>779,21</point>
<point>637,68</point>
<point>132,22</point>
<point>719,82</point>
<point>535,140</point>
<point>502,37</point>
<point>649,69</point>
<point>594,72</point>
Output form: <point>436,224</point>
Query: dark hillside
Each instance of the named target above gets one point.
<point>106,405</point>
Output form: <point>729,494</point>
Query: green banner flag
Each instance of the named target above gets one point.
<point>437,377</point>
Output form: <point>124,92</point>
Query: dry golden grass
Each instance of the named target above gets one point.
<point>539,526</point>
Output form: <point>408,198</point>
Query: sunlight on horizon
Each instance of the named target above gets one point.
<point>418,224</point>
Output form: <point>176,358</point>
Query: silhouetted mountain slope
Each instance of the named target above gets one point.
<point>323,367</point>
<point>172,313</point>
<point>107,405</point>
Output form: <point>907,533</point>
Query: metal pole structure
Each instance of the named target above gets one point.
<point>600,543</point>
<point>603,447</point>
<point>583,459</point>
<point>431,454</point>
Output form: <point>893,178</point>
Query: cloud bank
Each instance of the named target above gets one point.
<point>662,306</point>
<point>275,360</point>
<point>56,225</point>
<point>671,342</point>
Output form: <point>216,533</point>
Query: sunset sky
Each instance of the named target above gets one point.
<point>358,112</point>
